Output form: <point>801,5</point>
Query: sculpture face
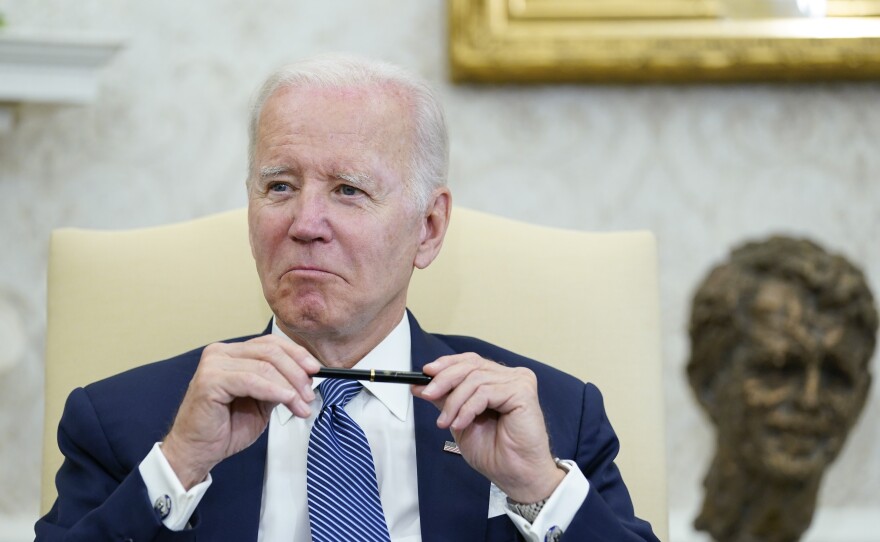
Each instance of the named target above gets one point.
<point>781,336</point>
<point>798,383</point>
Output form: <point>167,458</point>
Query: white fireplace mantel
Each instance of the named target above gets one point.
<point>59,70</point>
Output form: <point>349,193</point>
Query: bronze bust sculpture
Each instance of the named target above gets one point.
<point>781,339</point>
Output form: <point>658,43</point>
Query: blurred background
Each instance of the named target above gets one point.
<point>703,167</point>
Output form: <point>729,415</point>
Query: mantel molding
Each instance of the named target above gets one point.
<point>51,70</point>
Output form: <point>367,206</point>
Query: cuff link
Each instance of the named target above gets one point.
<point>162,506</point>
<point>554,534</point>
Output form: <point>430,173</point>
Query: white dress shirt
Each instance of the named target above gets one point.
<point>384,412</point>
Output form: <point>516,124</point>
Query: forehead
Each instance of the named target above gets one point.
<point>782,316</point>
<point>363,130</point>
<point>376,115</point>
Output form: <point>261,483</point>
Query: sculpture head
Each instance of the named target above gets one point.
<point>781,338</point>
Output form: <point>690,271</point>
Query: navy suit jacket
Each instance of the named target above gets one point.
<point>108,427</point>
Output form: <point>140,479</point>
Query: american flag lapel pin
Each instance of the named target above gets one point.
<point>451,447</point>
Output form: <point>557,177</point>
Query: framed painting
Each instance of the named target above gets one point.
<point>639,41</point>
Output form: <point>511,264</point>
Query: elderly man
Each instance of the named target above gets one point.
<point>347,195</point>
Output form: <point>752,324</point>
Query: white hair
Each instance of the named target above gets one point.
<point>430,143</point>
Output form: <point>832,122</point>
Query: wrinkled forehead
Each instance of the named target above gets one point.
<point>779,305</point>
<point>783,316</point>
<point>368,121</point>
<point>384,107</point>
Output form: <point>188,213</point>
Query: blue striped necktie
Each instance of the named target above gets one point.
<point>340,476</point>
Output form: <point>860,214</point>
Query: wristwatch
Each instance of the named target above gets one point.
<point>530,511</point>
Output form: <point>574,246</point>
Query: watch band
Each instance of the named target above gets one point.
<point>530,511</point>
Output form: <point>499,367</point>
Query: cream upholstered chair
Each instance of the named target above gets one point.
<point>584,302</point>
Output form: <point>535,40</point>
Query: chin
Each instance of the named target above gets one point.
<point>796,460</point>
<point>783,467</point>
<point>306,316</point>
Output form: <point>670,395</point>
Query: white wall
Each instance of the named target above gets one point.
<point>704,167</point>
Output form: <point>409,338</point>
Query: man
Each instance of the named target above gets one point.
<point>782,336</point>
<point>347,195</point>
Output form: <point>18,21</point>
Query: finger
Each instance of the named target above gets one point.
<point>291,361</point>
<point>469,399</point>
<point>287,375</point>
<point>229,379</point>
<point>219,378</point>
<point>448,372</point>
<point>418,391</point>
<point>441,363</point>
<point>488,386</point>
<point>294,362</point>
<point>296,352</point>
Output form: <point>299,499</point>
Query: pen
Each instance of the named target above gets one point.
<point>374,375</point>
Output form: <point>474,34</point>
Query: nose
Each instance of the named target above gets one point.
<point>808,398</point>
<point>309,220</point>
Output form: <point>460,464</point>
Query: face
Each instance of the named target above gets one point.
<point>333,226</point>
<point>799,384</point>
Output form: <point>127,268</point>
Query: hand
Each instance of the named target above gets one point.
<point>496,419</point>
<point>230,398</point>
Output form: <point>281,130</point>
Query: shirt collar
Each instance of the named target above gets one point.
<point>393,354</point>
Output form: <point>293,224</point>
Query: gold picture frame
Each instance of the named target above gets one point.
<point>638,41</point>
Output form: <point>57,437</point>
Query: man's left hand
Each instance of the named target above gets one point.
<point>494,414</point>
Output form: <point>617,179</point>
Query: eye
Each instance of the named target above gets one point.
<point>833,374</point>
<point>348,190</point>
<point>775,372</point>
<point>278,187</point>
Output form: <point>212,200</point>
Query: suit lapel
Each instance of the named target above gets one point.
<point>453,497</point>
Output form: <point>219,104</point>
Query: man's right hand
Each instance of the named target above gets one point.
<point>230,398</point>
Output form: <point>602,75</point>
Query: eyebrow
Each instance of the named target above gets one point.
<point>270,172</point>
<point>359,180</point>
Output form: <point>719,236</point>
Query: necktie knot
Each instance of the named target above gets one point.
<point>336,391</point>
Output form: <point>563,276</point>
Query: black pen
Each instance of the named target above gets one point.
<point>374,375</point>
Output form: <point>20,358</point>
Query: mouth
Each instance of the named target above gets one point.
<point>308,271</point>
<point>798,437</point>
<point>800,425</point>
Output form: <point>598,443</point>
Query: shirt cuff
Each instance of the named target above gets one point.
<point>171,501</point>
<point>560,508</point>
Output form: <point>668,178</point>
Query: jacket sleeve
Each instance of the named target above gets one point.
<point>607,513</point>
<point>99,498</point>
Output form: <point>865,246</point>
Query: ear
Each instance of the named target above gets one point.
<point>250,221</point>
<point>434,222</point>
<point>703,384</point>
<point>864,387</point>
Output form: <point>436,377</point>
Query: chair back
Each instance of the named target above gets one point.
<point>584,302</point>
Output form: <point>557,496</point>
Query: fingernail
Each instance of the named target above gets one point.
<point>429,390</point>
<point>441,420</point>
